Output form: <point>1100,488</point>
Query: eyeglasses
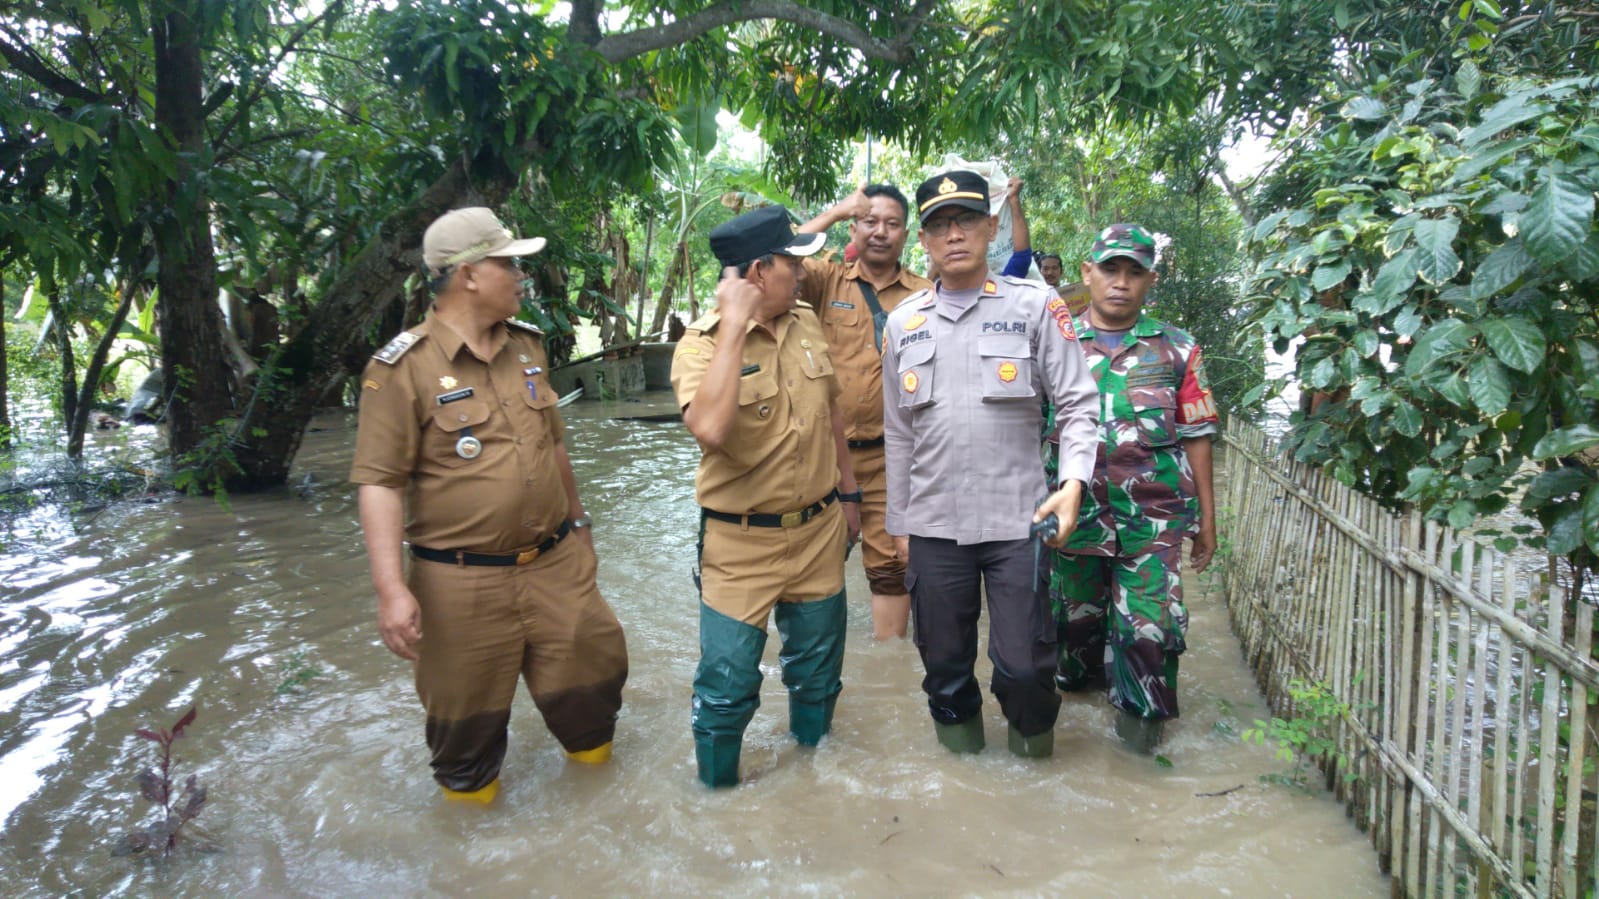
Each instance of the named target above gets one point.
<point>967,221</point>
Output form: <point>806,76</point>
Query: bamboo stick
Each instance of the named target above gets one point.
<point>1414,736</point>
<point>1549,750</point>
<point>1578,704</point>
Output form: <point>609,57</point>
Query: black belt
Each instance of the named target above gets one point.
<point>768,520</point>
<point>461,557</point>
<point>866,444</point>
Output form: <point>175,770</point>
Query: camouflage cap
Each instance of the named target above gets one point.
<point>1131,241</point>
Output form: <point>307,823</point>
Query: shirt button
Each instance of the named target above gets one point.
<point>529,482</point>
<point>527,524</point>
<point>505,402</point>
<point>518,441</point>
<point>463,416</point>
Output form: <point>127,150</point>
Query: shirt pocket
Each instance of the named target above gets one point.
<point>840,312</point>
<point>757,402</point>
<point>1007,364</point>
<point>449,424</point>
<point>541,395</point>
<point>1155,409</point>
<point>916,375</point>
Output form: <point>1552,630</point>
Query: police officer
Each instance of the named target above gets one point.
<point>967,367</point>
<point>853,301</point>
<point>779,502</point>
<point>461,453</point>
<point>1117,587</point>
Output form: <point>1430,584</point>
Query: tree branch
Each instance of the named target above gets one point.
<point>242,108</point>
<point>618,47</point>
<point>29,63</point>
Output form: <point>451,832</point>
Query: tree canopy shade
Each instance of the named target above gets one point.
<point>295,157</point>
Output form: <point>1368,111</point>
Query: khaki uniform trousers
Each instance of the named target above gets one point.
<point>483,626</point>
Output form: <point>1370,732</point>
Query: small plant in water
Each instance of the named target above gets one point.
<point>178,807</point>
<point>296,671</point>
<point>1309,736</point>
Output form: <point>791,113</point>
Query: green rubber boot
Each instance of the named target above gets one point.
<point>966,736</point>
<point>1139,734</point>
<point>727,690</point>
<point>717,758</point>
<point>1038,746</point>
<point>813,662</point>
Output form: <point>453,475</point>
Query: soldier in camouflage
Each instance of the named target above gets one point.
<point>1116,591</point>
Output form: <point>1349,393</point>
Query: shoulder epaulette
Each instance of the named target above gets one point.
<point>394,349</point>
<point>526,326</point>
<point>706,323</point>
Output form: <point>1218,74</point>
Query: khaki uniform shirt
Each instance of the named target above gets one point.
<point>964,408</point>
<point>420,397</point>
<point>834,291</point>
<point>780,455</point>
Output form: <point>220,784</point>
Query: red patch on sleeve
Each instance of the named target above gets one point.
<point>1062,314</point>
<point>1194,402</point>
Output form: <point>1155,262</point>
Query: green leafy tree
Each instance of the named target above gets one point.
<point>1441,267</point>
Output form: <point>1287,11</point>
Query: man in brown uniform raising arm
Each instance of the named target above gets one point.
<point>459,428</point>
<point>777,497</point>
<point>853,302</point>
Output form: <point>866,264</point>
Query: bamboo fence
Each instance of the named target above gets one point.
<point>1467,752</point>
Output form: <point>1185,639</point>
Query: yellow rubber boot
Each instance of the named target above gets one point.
<point>599,755</point>
<point>481,796</point>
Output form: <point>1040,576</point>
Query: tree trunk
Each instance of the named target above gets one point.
<point>5,390</point>
<point>78,424</point>
<point>61,329</point>
<point>339,333</point>
<point>674,273</point>
<point>192,353</point>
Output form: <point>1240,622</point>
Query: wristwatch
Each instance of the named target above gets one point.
<point>850,497</point>
<point>583,521</point>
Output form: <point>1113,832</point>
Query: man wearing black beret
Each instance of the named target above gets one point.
<point>779,504</point>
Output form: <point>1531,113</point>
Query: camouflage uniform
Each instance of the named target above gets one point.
<point>1126,551</point>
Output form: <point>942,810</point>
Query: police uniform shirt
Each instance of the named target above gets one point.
<point>963,400</point>
<point>834,291</point>
<point>473,440</point>
<point>780,455</point>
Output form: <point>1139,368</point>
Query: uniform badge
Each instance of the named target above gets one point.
<point>469,447</point>
<point>1061,312</point>
<point>523,359</point>
<point>448,383</point>
<point>915,321</point>
<point>370,384</point>
<point>396,348</point>
<point>1007,372</point>
<point>910,381</point>
<point>990,288</point>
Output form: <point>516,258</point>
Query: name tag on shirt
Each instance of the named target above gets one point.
<point>452,396</point>
<point>749,370</point>
<point>840,304</point>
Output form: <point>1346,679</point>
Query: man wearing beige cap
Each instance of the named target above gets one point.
<point>460,453</point>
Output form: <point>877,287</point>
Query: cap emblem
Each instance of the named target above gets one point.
<point>946,186</point>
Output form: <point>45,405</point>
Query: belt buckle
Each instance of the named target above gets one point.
<point>528,555</point>
<point>793,519</point>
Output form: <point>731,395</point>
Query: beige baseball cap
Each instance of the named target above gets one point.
<point>471,235</point>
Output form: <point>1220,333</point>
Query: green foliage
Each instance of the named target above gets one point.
<point>295,672</point>
<point>1441,270</point>
<point>1308,737</point>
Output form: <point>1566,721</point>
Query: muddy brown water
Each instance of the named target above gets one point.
<point>125,618</point>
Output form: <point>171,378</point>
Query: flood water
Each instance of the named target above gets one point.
<point>124,619</point>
